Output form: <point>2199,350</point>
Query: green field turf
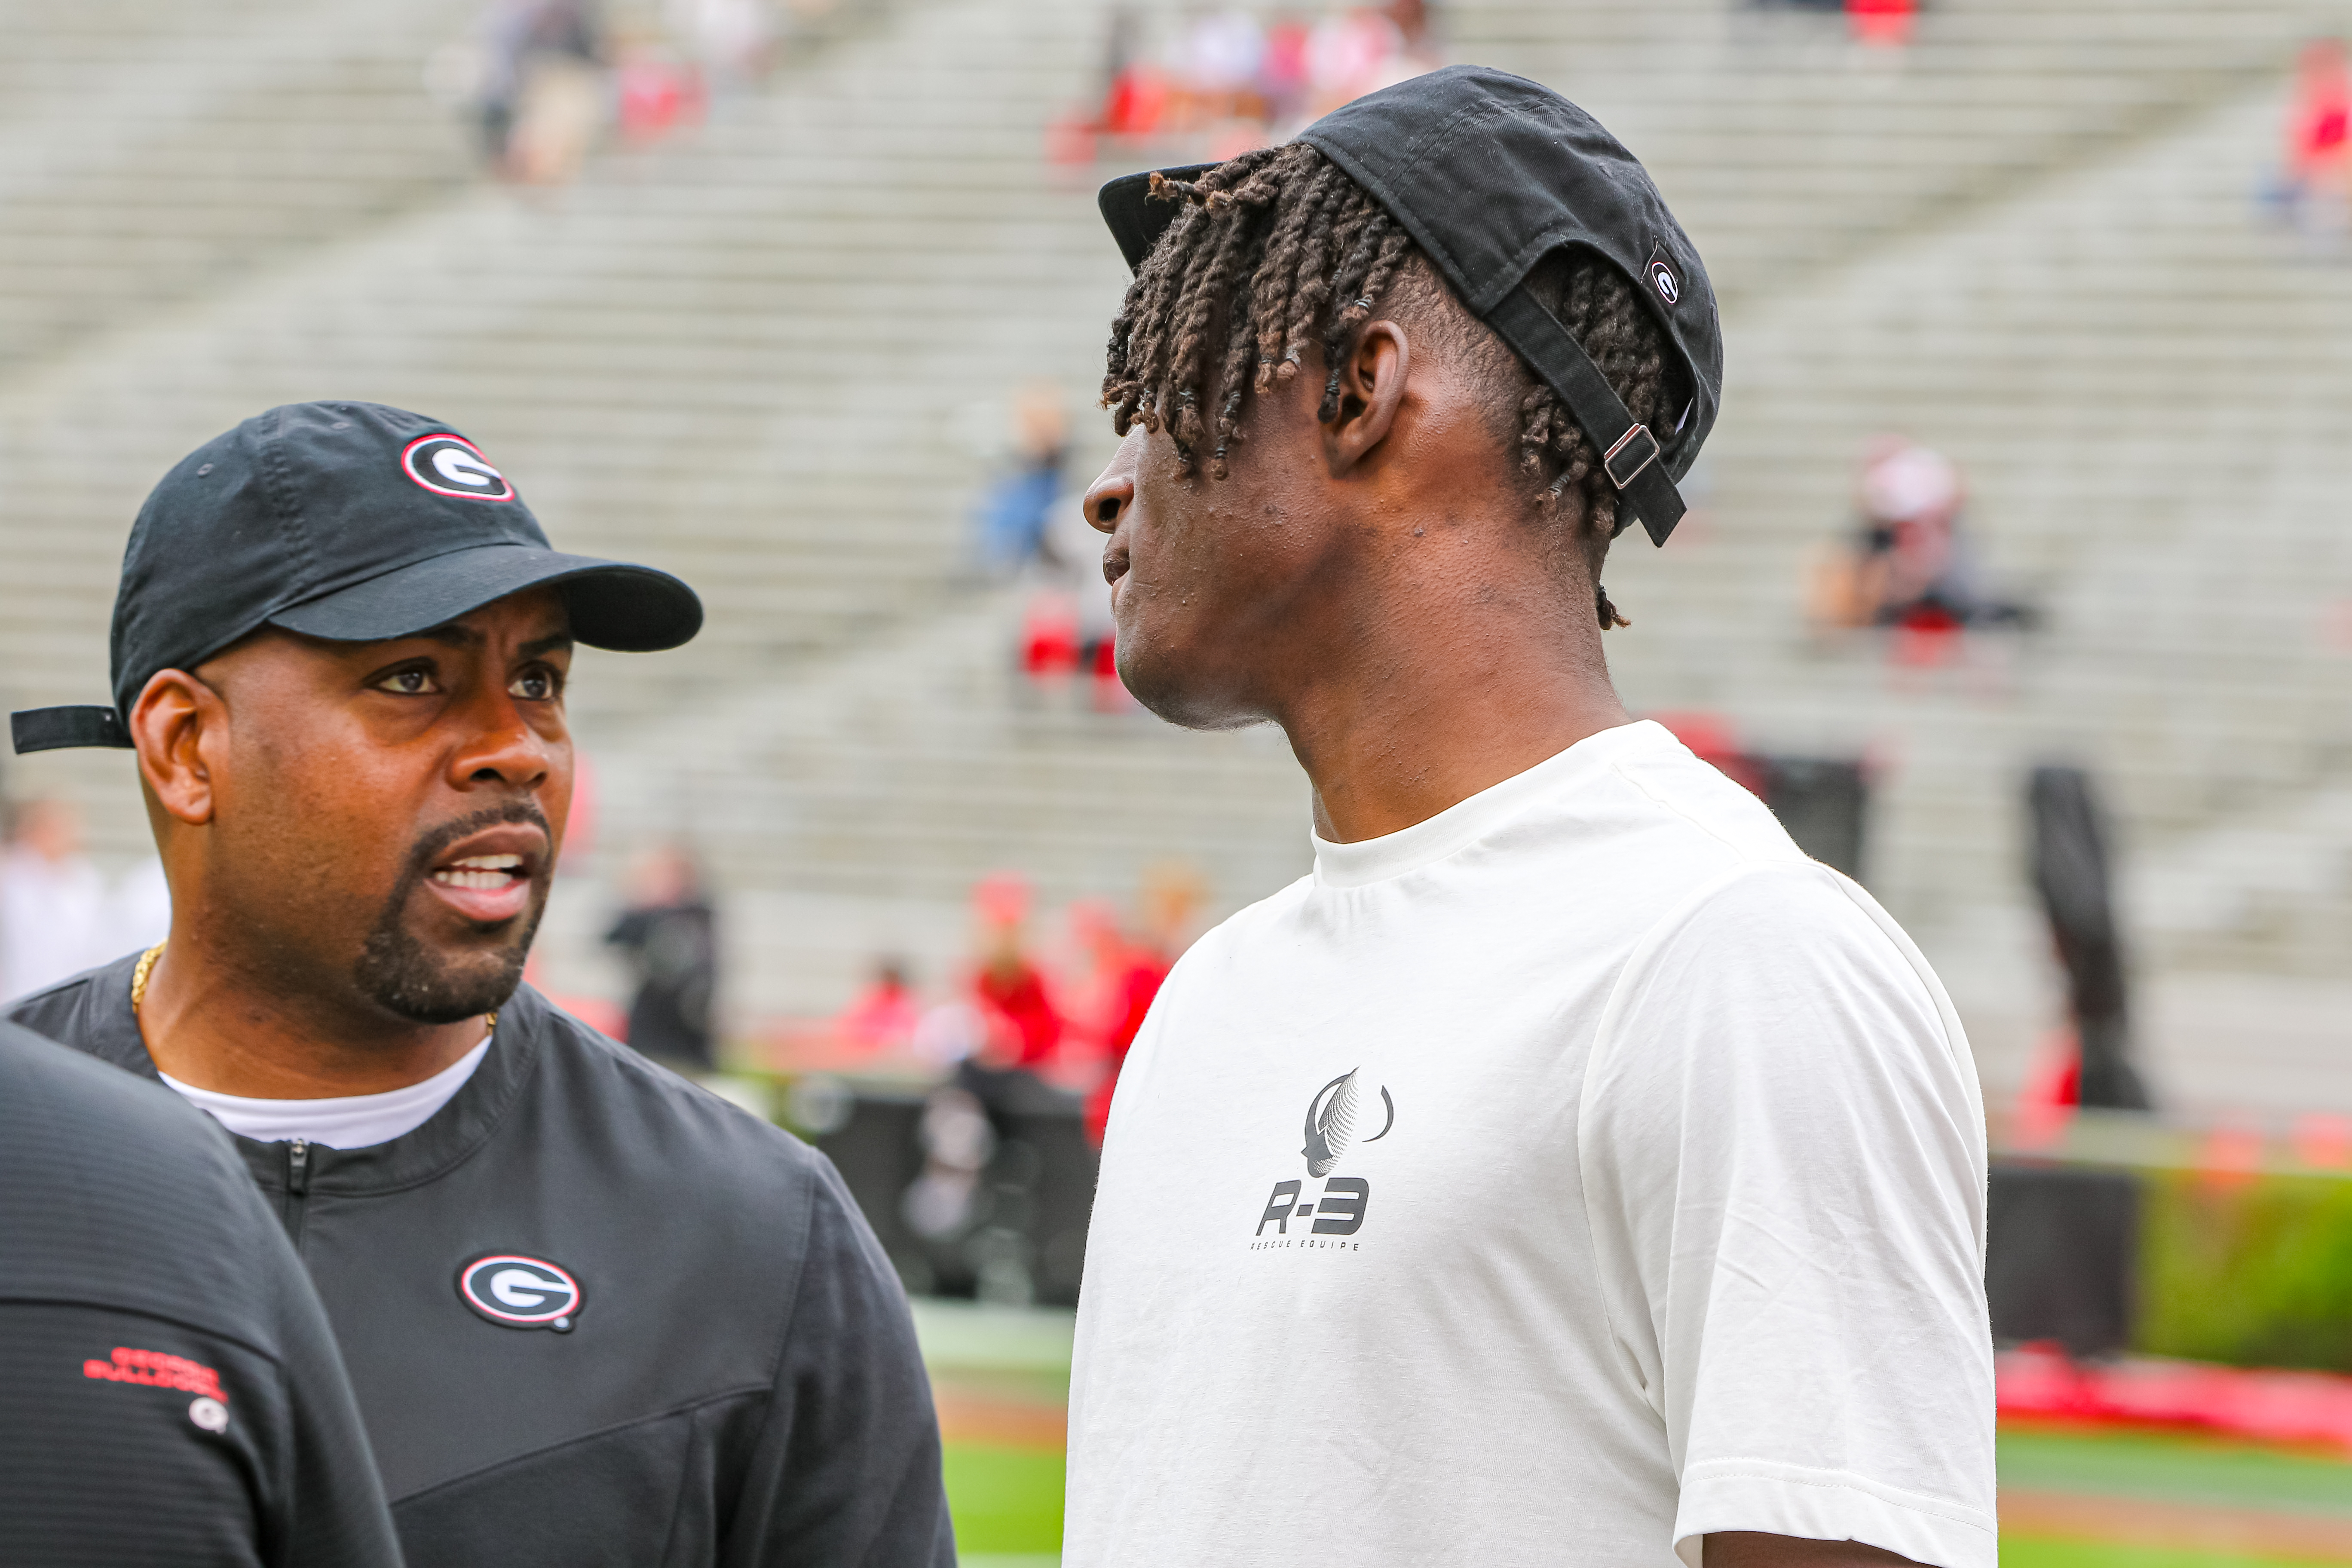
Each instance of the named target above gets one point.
<point>1006,1500</point>
<point>2034,1552</point>
<point>2173,1467</point>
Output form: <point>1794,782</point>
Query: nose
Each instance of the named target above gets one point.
<point>1113,491</point>
<point>505,749</point>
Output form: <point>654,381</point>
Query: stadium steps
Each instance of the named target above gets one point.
<point>2144,384</point>
<point>1785,149</point>
<point>149,155</point>
<point>746,355</point>
<point>765,355</point>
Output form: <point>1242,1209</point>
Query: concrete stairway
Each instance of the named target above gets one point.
<point>755,355</point>
<point>743,355</point>
<point>1785,150</point>
<point>2144,384</point>
<point>150,155</point>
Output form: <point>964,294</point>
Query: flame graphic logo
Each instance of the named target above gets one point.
<point>1331,1122</point>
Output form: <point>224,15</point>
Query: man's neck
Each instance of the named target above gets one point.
<point>1442,702</point>
<point>208,1023</point>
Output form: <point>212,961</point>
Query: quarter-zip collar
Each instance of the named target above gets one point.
<point>447,1138</point>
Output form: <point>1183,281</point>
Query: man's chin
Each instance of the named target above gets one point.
<point>426,981</point>
<point>1171,689</point>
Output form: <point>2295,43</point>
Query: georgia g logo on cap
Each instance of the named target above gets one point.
<point>450,465</point>
<point>1663,279</point>
<point>520,1292</point>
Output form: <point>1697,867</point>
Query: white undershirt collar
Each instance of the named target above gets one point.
<point>351,1122</point>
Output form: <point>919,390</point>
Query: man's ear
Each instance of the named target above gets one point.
<point>179,726</point>
<point>1370,391</point>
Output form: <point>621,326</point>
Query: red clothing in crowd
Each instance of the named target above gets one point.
<point>1016,993</point>
<point>1131,999</point>
<point>884,1014</point>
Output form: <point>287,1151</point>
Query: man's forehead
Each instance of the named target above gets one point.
<point>537,619</point>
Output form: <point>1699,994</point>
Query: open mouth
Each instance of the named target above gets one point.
<point>482,872</point>
<point>488,886</point>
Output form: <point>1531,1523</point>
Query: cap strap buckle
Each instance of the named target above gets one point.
<point>1632,461</point>
<point>1648,452</point>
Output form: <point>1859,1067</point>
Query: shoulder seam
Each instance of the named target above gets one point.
<point>1663,804</point>
<point>46,1298</point>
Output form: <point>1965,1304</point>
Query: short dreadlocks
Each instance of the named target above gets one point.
<point>1288,250</point>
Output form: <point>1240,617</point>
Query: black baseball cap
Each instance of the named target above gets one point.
<point>350,521</point>
<point>1491,172</point>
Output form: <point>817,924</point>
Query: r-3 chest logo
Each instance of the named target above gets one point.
<point>520,1292</point>
<point>1335,1115</point>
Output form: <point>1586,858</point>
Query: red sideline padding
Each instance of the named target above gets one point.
<point>2275,1406</point>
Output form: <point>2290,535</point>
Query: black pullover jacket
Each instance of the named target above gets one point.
<point>593,1314</point>
<point>168,1391</point>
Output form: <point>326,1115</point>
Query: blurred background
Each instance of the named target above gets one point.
<point>2018,581</point>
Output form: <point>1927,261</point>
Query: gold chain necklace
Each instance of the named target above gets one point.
<point>139,977</point>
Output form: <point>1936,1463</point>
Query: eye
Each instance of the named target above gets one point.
<point>410,682</point>
<point>536,686</point>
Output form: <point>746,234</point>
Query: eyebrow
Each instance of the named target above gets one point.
<point>452,634</point>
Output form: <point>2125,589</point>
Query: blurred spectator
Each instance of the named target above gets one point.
<point>1351,53</point>
<point>653,91</point>
<point>1171,896</point>
<point>58,915</point>
<point>2316,191</point>
<point>1282,72</point>
<point>1023,1025</point>
<point>957,1142</point>
<point>1049,637</point>
<point>1881,24</point>
<point>1233,81</point>
<point>949,1033</point>
<point>1909,565</point>
<point>670,936</point>
<point>540,94</point>
<point>53,903</point>
<point>735,41</point>
<point>885,1015</point>
<point>2071,871</point>
<point>1218,64</point>
<point>1067,628</point>
<point>1010,523</point>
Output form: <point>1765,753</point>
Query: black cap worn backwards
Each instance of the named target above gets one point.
<point>1491,172</point>
<point>345,521</point>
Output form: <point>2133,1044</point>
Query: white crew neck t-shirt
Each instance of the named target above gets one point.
<point>349,1121</point>
<point>1563,1179</point>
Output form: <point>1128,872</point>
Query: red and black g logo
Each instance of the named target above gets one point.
<point>1664,281</point>
<point>520,1292</point>
<point>452,466</point>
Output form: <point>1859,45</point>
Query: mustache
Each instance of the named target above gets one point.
<point>427,849</point>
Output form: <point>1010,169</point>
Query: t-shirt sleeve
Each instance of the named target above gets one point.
<point>1782,1153</point>
<point>848,1467</point>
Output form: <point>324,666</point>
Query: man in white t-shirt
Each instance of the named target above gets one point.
<point>1567,1170</point>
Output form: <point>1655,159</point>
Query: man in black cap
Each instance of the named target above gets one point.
<point>591,1312</point>
<point>1568,1170</point>
<point>169,1389</point>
